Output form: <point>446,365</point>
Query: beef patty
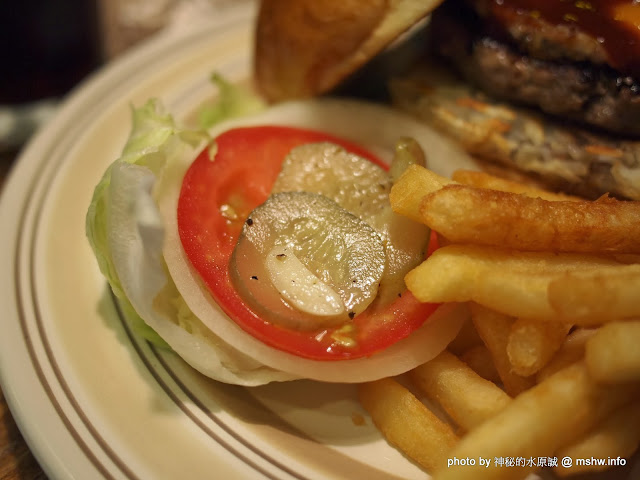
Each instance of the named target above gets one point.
<point>584,91</point>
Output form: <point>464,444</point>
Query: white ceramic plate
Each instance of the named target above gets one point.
<point>94,401</point>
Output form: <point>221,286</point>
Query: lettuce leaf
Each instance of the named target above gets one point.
<point>153,131</point>
<point>233,101</point>
<point>126,232</point>
<point>151,128</point>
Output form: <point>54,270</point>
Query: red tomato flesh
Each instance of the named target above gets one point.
<point>215,200</point>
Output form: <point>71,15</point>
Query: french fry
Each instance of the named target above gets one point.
<point>407,423</point>
<point>468,398</point>
<point>480,360</point>
<point>467,214</point>
<point>590,296</point>
<point>494,329</point>
<point>612,355</point>
<point>482,179</point>
<point>531,265</point>
<point>467,338</point>
<point>537,423</point>
<point>627,258</point>
<point>532,343</point>
<point>618,436</point>
<point>511,282</point>
<point>411,186</point>
<point>571,351</point>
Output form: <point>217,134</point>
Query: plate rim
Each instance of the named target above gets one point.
<point>16,203</point>
<point>28,188</point>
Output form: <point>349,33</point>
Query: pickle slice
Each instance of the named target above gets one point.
<point>329,253</point>
<point>407,152</point>
<point>362,188</point>
<point>353,182</point>
<point>299,286</point>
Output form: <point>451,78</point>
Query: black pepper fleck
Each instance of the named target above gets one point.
<point>249,221</point>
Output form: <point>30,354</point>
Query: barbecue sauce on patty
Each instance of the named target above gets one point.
<point>614,24</point>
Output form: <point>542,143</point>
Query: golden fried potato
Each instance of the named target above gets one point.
<point>467,214</point>
<point>549,416</point>
<point>617,436</point>
<point>591,296</point>
<point>480,361</point>
<point>304,47</point>
<point>532,266</point>
<point>482,179</point>
<point>494,329</point>
<point>407,423</point>
<point>571,351</point>
<point>468,398</point>
<point>512,282</point>
<point>612,354</point>
<point>411,186</point>
<point>466,338</point>
<point>532,343</point>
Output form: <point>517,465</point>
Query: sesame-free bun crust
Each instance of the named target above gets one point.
<point>304,48</point>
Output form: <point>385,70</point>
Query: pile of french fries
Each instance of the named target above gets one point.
<point>547,366</point>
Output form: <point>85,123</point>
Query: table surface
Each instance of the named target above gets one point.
<point>16,460</point>
<point>123,27</point>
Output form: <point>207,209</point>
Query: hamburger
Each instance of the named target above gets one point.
<point>548,90</point>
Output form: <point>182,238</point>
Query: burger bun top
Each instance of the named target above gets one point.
<point>304,48</point>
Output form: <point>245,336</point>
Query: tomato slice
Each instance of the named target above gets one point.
<point>218,195</point>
